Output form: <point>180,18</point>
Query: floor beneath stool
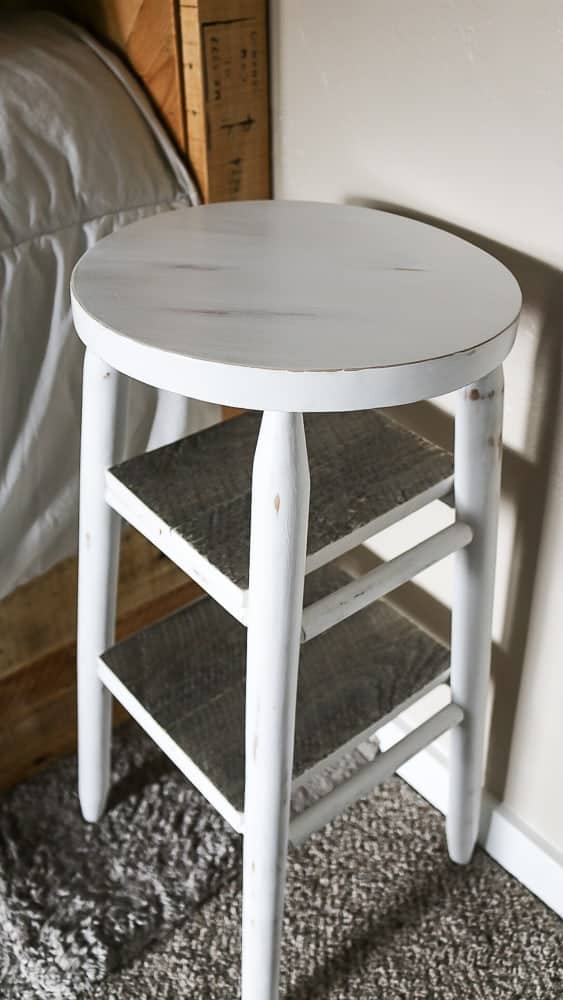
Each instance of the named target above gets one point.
<point>147,904</point>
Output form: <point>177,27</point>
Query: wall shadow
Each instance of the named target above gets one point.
<point>525,483</point>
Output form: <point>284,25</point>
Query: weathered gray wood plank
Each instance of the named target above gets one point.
<point>363,464</point>
<point>188,672</point>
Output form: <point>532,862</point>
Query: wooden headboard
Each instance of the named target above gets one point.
<point>205,65</point>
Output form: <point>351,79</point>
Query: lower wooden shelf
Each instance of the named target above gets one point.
<point>183,679</point>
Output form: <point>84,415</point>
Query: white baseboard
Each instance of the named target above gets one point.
<point>503,836</point>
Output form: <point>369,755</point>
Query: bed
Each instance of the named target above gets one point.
<point>81,153</point>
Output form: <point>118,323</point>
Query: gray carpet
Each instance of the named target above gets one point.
<point>147,904</point>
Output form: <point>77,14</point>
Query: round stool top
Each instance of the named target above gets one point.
<point>295,306</point>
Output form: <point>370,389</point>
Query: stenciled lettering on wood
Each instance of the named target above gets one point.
<point>226,75</point>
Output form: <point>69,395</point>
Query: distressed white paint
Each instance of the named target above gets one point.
<point>363,781</point>
<point>292,306</point>
<point>103,437</point>
<point>478,449</point>
<point>361,592</point>
<point>280,507</point>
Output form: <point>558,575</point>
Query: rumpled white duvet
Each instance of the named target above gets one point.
<point>81,153</point>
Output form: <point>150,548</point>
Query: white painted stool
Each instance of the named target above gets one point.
<point>288,308</point>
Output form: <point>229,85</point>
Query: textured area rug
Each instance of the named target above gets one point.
<point>78,900</point>
<point>147,904</point>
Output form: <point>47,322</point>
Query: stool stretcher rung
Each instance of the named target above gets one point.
<point>360,593</point>
<point>368,777</point>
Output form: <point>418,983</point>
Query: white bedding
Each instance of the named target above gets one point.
<point>81,153</point>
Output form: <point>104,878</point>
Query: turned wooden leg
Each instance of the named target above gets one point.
<point>103,435</point>
<point>280,506</point>
<point>478,447</point>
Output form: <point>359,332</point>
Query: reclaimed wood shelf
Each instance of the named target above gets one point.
<point>183,680</point>
<point>192,498</point>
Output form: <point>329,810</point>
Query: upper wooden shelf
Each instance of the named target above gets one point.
<point>192,498</point>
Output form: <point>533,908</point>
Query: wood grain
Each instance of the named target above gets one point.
<point>295,306</point>
<point>225,65</point>
<point>38,621</point>
<point>359,673</point>
<point>146,33</point>
<point>363,466</point>
<point>204,64</point>
<point>38,650</point>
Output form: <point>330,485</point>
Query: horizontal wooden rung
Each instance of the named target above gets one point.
<point>363,782</point>
<point>360,593</point>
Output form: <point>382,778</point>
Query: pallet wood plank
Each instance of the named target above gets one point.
<point>38,650</point>
<point>188,672</point>
<point>363,464</point>
<point>146,33</point>
<point>225,64</point>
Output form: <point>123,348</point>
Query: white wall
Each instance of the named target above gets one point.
<point>452,110</point>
